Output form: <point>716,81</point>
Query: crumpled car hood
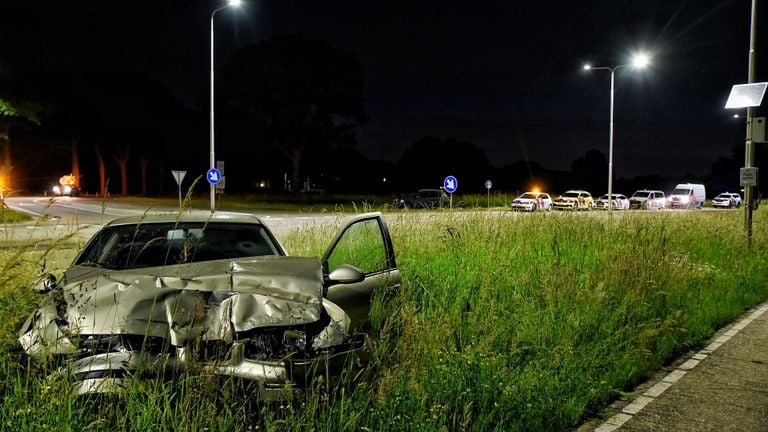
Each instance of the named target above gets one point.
<point>211,299</point>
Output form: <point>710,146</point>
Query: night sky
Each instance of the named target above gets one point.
<point>506,75</point>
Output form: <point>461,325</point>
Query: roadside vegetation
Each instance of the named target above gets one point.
<point>8,216</point>
<point>317,203</point>
<point>504,322</point>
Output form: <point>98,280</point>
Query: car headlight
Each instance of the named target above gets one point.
<point>294,340</point>
<point>67,189</point>
<point>100,344</point>
<point>56,190</point>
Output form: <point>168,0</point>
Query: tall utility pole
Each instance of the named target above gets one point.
<point>749,149</point>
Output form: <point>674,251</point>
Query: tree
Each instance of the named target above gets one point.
<point>429,160</point>
<point>15,109</point>
<point>590,171</point>
<point>121,158</point>
<point>99,149</point>
<point>297,93</point>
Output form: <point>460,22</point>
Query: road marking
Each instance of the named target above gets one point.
<point>617,421</point>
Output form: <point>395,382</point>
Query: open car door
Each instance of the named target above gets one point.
<point>359,261</point>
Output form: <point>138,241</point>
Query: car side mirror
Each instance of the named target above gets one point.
<point>44,284</point>
<point>346,274</point>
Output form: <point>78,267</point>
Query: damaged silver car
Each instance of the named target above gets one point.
<point>215,291</point>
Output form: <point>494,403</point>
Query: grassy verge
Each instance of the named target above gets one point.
<point>510,322</point>
<point>317,203</point>
<point>8,216</point>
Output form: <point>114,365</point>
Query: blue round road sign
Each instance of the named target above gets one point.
<point>450,184</point>
<point>214,176</point>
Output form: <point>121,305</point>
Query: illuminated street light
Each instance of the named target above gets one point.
<point>230,3</point>
<point>640,61</point>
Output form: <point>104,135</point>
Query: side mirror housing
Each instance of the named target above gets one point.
<point>44,284</point>
<point>345,274</point>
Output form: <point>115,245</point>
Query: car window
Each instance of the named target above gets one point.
<point>362,246</point>
<point>156,244</point>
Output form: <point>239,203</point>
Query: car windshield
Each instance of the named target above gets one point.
<point>571,195</point>
<point>528,195</point>
<point>125,247</point>
<point>681,192</point>
<point>641,194</point>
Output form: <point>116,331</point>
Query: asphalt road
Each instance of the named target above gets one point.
<point>76,219</point>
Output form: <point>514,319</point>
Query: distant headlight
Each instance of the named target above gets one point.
<point>67,189</point>
<point>56,190</point>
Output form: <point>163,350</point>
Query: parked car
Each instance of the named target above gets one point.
<point>165,291</point>
<point>687,195</point>
<point>727,200</point>
<point>618,202</point>
<point>647,199</point>
<point>532,201</point>
<point>423,198</point>
<point>574,200</point>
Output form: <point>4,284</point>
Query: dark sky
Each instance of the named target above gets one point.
<point>503,74</point>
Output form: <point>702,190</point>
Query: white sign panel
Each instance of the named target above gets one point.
<point>179,176</point>
<point>748,176</point>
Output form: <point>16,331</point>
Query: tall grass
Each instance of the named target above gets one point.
<point>504,322</point>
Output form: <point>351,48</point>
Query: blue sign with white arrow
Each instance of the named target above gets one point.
<point>450,184</point>
<point>214,176</point>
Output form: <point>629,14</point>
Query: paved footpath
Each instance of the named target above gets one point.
<point>723,387</point>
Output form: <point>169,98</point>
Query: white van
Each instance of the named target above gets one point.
<point>687,195</point>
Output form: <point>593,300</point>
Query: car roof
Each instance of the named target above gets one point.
<point>190,216</point>
<point>576,190</point>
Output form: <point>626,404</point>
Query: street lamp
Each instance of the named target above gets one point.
<point>640,61</point>
<point>232,3</point>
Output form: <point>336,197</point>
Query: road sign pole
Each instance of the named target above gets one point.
<point>749,150</point>
<point>179,177</point>
<point>450,184</point>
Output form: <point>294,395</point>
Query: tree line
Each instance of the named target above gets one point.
<point>288,109</point>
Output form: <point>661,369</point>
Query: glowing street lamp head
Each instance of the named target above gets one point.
<point>235,3</point>
<point>587,66</point>
<point>641,60</point>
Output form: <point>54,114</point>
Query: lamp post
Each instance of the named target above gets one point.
<point>232,3</point>
<point>640,61</point>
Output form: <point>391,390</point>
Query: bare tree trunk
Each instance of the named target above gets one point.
<point>161,173</point>
<point>122,161</point>
<point>102,172</point>
<point>75,161</point>
<point>5,165</point>
<point>296,179</point>
<point>143,162</point>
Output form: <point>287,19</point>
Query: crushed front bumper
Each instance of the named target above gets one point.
<point>282,379</point>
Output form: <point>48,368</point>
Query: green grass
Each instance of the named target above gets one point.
<point>310,203</point>
<point>504,322</point>
<point>8,216</point>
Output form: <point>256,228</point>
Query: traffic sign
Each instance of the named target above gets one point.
<point>450,184</point>
<point>214,176</point>
<point>488,184</point>
<point>179,176</point>
<point>748,176</point>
